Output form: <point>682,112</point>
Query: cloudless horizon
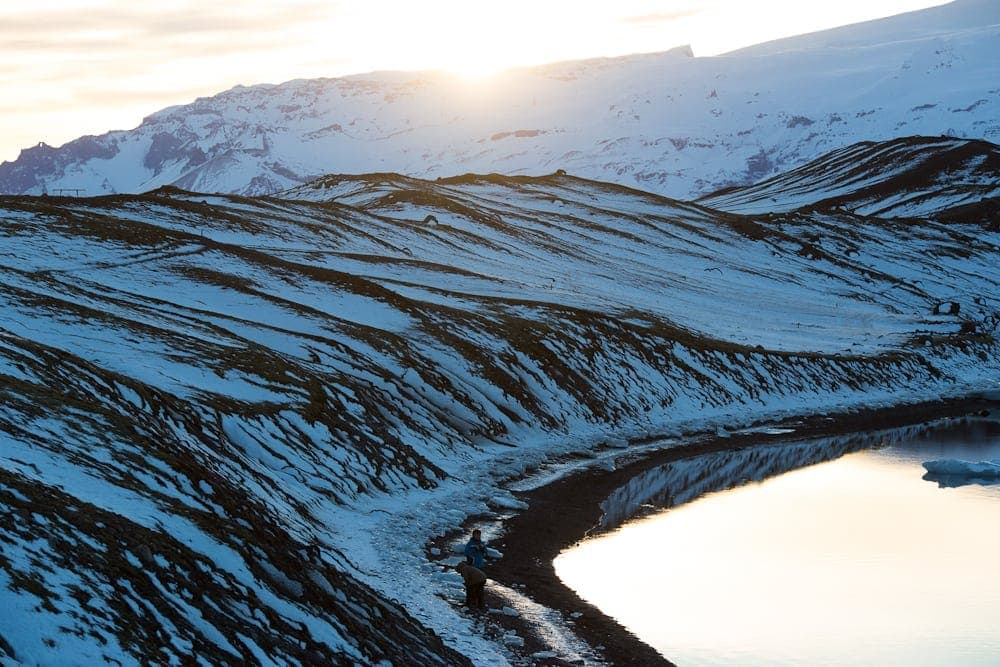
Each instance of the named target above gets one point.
<point>71,68</point>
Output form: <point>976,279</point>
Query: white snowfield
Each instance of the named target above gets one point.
<point>229,426</point>
<point>668,122</point>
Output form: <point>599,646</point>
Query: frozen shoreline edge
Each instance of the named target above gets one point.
<point>579,493</point>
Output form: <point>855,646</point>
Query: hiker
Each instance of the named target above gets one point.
<point>475,550</point>
<point>475,585</point>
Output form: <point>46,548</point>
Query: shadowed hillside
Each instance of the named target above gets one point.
<point>935,177</point>
<point>228,424</point>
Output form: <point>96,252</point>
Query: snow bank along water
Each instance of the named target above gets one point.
<point>229,424</point>
<point>666,122</point>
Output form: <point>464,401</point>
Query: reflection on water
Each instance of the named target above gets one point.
<point>854,561</point>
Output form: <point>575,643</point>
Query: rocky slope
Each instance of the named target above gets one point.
<point>668,122</point>
<point>228,424</point>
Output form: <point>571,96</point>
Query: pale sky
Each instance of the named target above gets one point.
<point>75,67</point>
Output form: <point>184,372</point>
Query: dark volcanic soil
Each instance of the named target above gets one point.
<point>564,512</point>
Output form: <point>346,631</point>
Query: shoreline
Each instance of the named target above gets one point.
<point>565,511</point>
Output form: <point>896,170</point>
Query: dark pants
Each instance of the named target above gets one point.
<point>475,595</point>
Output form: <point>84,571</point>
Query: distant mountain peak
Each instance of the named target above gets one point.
<point>667,122</point>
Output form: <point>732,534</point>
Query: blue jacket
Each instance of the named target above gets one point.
<point>475,552</point>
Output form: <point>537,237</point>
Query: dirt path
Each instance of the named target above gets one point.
<point>563,512</point>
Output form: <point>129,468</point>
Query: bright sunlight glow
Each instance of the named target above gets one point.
<point>73,67</point>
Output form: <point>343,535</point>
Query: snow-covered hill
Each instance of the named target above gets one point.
<point>229,425</point>
<point>668,123</point>
<point>909,177</point>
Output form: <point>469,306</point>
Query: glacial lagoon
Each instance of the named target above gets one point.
<point>832,552</point>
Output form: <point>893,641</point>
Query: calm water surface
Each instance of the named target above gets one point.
<point>857,561</point>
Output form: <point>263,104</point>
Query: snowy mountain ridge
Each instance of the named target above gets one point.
<point>668,122</point>
<point>230,425</point>
<point>910,177</point>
